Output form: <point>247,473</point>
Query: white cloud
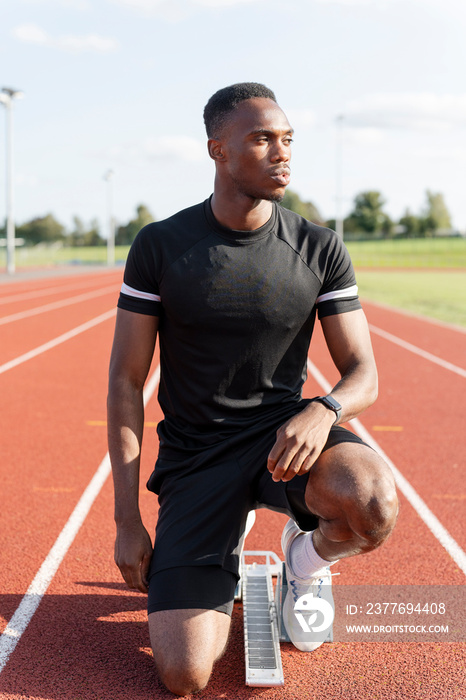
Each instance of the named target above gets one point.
<point>346,2</point>
<point>142,5</point>
<point>366,136</point>
<point>370,4</point>
<point>176,147</point>
<point>445,6</point>
<point>170,10</point>
<point>32,34</point>
<point>438,153</point>
<point>301,118</point>
<point>374,3</point>
<point>90,42</point>
<point>26,180</point>
<point>166,148</point>
<point>73,4</point>
<point>407,111</point>
<point>223,3</point>
<point>176,9</point>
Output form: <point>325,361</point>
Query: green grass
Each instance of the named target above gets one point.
<point>404,253</point>
<point>50,256</point>
<point>412,253</point>
<point>440,295</point>
<point>409,274</point>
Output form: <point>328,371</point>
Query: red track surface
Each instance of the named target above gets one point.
<point>88,637</point>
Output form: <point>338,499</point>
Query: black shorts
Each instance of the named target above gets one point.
<point>204,501</point>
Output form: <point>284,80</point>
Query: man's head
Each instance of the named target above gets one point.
<point>221,105</point>
<point>249,138</point>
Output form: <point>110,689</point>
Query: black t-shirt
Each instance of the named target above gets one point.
<point>237,311</point>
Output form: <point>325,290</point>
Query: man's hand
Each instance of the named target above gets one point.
<point>300,441</point>
<point>133,552</point>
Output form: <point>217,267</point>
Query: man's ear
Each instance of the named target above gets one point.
<point>215,150</point>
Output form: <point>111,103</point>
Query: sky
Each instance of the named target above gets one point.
<point>375,90</point>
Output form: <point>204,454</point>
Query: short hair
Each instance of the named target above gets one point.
<point>225,101</point>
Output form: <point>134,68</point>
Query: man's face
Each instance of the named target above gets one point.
<point>256,142</point>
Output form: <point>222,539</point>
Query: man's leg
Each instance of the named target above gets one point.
<point>189,619</point>
<point>352,491</point>
<point>203,507</point>
<point>186,644</point>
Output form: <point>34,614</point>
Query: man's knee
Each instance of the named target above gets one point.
<point>183,681</point>
<point>182,673</point>
<point>186,644</point>
<point>353,491</point>
<point>375,503</point>
<point>378,518</point>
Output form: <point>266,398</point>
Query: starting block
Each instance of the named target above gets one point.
<point>261,623</point>
<point>262,616</point>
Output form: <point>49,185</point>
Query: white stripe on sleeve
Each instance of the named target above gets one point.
<point>339,294</point>
<point>131,292</point>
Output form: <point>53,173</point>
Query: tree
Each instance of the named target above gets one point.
<point>293,201</point>
<point>436,215</point>
<point>83,236</point>
<point>45,229</point>
<point>92,236</point>
<point>367,215</point>
<point>76,237</point>
<point>411,224</point>
<point>125,235</point>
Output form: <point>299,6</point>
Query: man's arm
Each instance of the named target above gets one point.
<point>301,439</point>
<point>133,348</point>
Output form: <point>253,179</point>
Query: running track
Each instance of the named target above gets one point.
<point>70,629</point>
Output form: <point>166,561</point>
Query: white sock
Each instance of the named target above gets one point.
<point>304,559</point>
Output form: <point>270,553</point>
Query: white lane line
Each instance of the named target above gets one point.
<point>31,600</point>
<point>46,291</point>
<point>418,351</point>
<point>58,304</point>
<point>421,508</point>
<point>418,317</point>
<point>57,341</point>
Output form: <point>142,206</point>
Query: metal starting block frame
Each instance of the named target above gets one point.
<point>263,618</point>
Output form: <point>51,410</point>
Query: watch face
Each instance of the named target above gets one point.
<point>330,401</point>
<point>332,404</point>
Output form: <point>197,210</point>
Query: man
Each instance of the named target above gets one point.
<point>232,286</point>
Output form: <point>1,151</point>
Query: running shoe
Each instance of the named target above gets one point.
<point>308,620</point>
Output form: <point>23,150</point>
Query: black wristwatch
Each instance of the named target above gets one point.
<point>333,405</point>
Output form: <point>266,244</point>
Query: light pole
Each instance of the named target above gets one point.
<point>6,97</point>
<point>108,177</point>
<point>339,178</point>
